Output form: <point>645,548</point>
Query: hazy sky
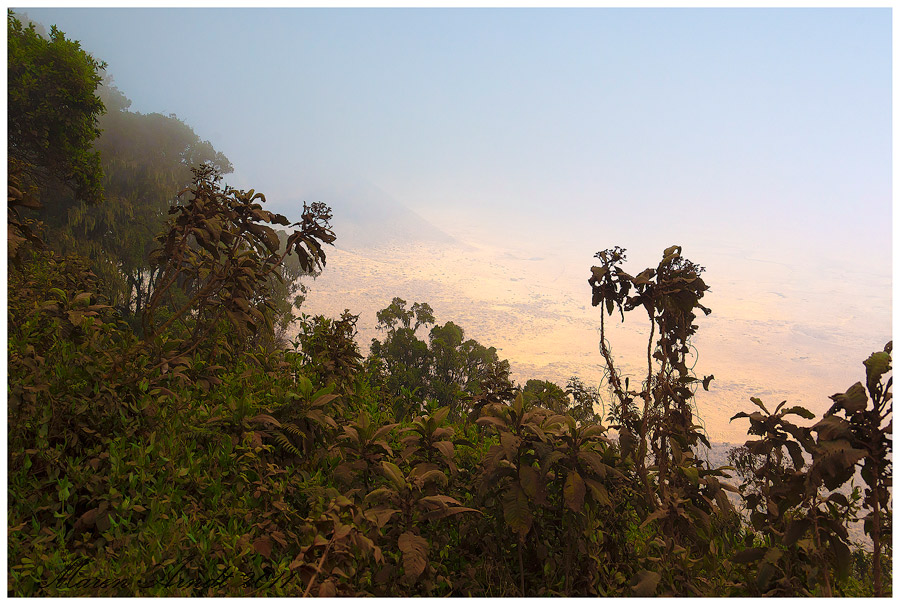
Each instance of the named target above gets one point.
<point>724,123</point>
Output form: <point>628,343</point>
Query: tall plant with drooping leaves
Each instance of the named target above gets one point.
<point>327,348</point>
<point>217,258</point>
<point>680,493</point>
<point>670,294</point>
<point>857,432</point>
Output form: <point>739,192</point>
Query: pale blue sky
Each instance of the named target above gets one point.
<point>738,127</point>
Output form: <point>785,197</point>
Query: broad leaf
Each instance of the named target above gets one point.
<point>415,554</point>
<point>530,480</point>
<point>749,555</point>
<point>876,366</point>
<point>644,583</point>
<point>573,491</point>
<point>515,510</point>
<point>854,400</point>
<point>393,473</point>
<point>263,546</point>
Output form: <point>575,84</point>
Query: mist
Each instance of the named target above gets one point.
<point>445,140</point>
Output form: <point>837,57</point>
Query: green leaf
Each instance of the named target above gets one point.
<point>692,474</point>
<point>876,366</point>
<point>799,411</point>
<point>393,473</point>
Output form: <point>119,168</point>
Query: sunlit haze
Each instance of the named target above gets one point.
<point>476,159</point>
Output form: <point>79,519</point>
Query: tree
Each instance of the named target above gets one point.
<point>546,394</point>
<point>52,115</point>
<point>403,358</point>
<point>52,111</point>
<point>448,369</point>
<point>584,400</point>
<point>459,367</point>
<point>146,160</point>
<point>216,260</point>
<point>396,316</point>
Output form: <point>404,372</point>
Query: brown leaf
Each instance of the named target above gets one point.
<point>573,491</point>
<point>103,523</point>
<point>263,546</point>
<point>515,510</point>
<point>644,583</point>
<point>340,531</point>
<point>265,419</point>
<point>381,515</point>
<point>530,480</point>
<point>327,589</point>
<point>279,537</point>
<point>599,492</point>
<point>491,420</point>
<point>446,448</point>
<point>392,472</point>
<point>510,444</point>
<point>450,510</point>
<point>87,519</point>
<point>414,549</point>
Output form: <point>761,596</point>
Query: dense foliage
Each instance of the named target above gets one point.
<point>162,444</point>
<point>52,110</point>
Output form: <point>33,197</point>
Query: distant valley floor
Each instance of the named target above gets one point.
<point>535,308</point>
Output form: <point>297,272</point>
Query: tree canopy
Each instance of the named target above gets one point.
<point>53,110</point>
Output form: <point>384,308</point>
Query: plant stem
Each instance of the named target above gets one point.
<point>521,568</point>
<point>319,568</point>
